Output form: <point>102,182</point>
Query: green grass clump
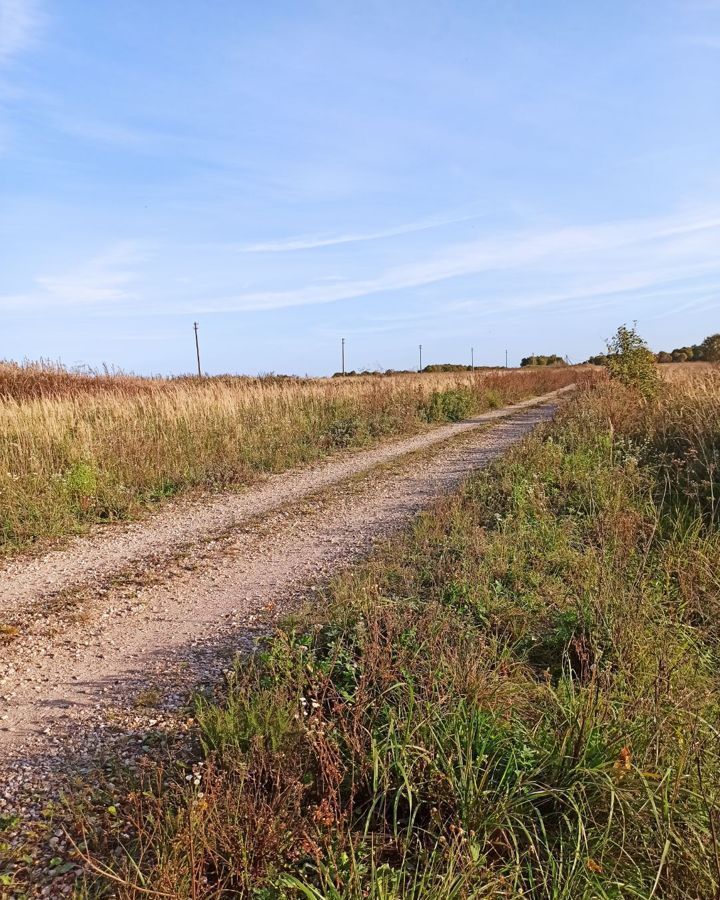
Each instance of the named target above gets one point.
<point>452,405</point>
<point>519,698</point>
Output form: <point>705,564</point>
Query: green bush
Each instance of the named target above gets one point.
<point>631,361</point>
<point>450,406</point>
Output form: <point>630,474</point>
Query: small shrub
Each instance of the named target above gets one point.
<point>81,481</point>
<point>450,406</point>
<point>343,432</point>
<point>632,363</point>
<point>493,400</point>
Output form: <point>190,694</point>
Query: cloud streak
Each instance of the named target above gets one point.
<point>20,22</point>
<point>312,242</point>
<point>108,278</point>
<point>577,268</point>
<point>627,255</point>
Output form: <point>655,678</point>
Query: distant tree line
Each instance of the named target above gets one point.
<point>552,360</point>
<point>453,367</point>
<point>707,351</point>
<point>436,367</point>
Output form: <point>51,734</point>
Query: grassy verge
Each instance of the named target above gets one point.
<point>518,698</point>
<point>77,449</point>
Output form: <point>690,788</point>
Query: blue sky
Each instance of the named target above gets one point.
<point>497,173</point>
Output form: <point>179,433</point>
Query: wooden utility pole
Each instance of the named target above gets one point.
<point>506,359</point>
<point>197,348</point>
<point>420,369</point>
<point>472,359</point>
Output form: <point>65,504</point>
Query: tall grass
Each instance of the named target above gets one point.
<point>76,449</point>
<point>520,698</point>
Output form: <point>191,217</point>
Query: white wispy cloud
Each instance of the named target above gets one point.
<point>20,24</point>
<point>312,242</point>
<point>110,277</point>
<point>621,256</point>
<point>662,260</point>
<point>100,132</point>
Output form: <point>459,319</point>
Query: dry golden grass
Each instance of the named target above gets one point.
<point>686,370</point>
<point>76,449</point>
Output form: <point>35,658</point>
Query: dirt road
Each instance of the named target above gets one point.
<point>150,608</point>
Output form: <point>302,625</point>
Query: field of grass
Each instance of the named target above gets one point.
<point>77,449</point>
<point>519,698</point>
<point>683,371</point>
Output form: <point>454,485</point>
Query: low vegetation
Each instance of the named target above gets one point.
<point>77,449</point>
<point>519,698</point>
<point>631,362</point>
